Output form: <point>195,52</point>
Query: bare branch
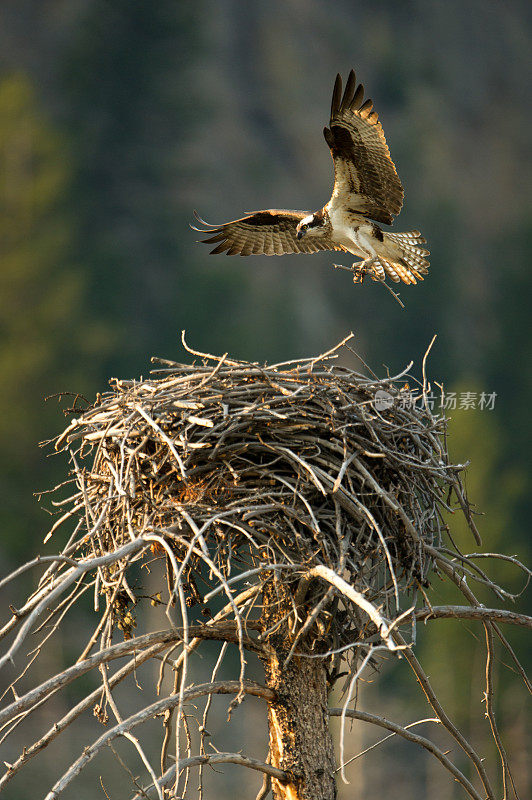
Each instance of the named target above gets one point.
<point>221,687</point>
<point>35,562</point>
<point>67,580</point>
<point>220,758</point>
<point>490,713</point>
<point>143,654</point>
<point>443,716</point>
<point>364,716</point>
<point>381,624</point>
<point>472,612</point>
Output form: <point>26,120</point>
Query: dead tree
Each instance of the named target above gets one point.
<point>312,501</point>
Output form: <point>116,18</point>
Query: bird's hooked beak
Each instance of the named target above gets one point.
<point>300,233</point>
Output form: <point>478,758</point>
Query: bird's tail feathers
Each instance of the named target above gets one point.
<point>408,263</point>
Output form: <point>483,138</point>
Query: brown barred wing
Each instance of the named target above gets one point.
<point>365,178</point>
<point>271,232</point>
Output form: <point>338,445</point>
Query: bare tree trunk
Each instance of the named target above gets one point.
<point>300,740</point>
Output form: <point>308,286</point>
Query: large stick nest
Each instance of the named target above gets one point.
<point>243,466</point>
<point>307,500</point>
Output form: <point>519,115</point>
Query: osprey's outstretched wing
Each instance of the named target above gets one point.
<point>365,179</point>
<point>271,233</point>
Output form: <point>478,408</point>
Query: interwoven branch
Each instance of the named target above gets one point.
<point>222,474</point>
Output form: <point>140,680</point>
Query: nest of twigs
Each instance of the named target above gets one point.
<point>301,508</point>
<point>241,467</point>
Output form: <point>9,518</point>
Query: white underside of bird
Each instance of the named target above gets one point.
<point>397,254</point>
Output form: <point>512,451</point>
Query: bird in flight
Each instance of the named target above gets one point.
<point>366,191</point>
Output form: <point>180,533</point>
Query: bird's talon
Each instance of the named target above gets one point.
<point>360,270</point>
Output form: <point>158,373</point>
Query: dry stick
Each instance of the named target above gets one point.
<point>468,612</point>
<point>177,589</point>
<point>303,463</point>
<point>366,513</point>
<point>203,727</point>
<point>220,758</point>
<point>164,437</point>
<point>184,670</point>
<point>303,500</point>
<point>329,575</point>
<point>352,686</point>
<point>394,294</point>
<point>133,739</point>
<point>388,499</point>
<point>27,608</point>
<point>490,714</point>
<point>239,600</point>
<point>71,546</point>
<point>35,563</point>
<point>211,631</point>
<point>373,522</point>
<point>509,650</point>
<point>424,372</point>
<point>62,519</point>
<point>247,574</point>
<point>488,695</point>
<point>381,281</point>
<point>211,374</point>
<point>55,615</point>
<point>74,713</point>
<point>149,712</point>
<point>472,567</point>
<point>454,568</point>
<point>364,716</point>
<point>103,621</point>
<point>70,577</point>
<point>380,742</point>
<point>125,767</point>
<point>445,720</point>
<point>502,557</point>
<point>208,355</point>
<point>311,618</point>
<point>464,504</point>
<point>82,667</point>
<point>34,699</point>
<point>203,554</point>
<point>140,658</point>
<point>264,790</point>
<point>447,567</point>
<point>167,722</point>
<point>74,597</point>
<point>332,351</point>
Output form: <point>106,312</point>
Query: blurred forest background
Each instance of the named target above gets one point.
<point>118,118</point>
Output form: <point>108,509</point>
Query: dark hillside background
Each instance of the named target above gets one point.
<point>118,118</point>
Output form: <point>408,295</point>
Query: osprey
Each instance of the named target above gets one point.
<point>366,190</point>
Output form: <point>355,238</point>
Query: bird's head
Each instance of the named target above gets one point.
<point>312,225</point>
